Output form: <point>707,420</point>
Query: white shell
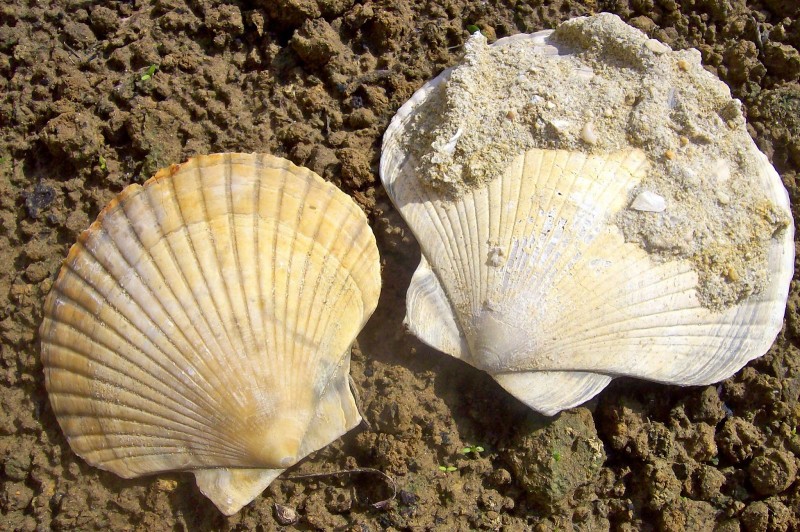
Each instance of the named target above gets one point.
<point>204,323</point>
<point>571,305</point>
<point>647,201</point>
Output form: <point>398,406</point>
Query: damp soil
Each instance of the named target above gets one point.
<point>95,96</point>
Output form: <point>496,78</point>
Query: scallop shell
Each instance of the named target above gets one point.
<point>204,323</point>
<point>528,278</point>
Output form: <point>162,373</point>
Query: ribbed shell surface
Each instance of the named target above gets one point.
<point>528,278</point>
<point>205,319</point>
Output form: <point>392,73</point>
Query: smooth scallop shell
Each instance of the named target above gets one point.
<point>204,323</point>
<point>527,279</point>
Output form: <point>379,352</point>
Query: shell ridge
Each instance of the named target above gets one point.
<point>582,224</point>
<point>328,195</point>
<point>479,231</point>
<point>113,446</point>
<point>218,353</point>
<point>145,312</point>
<point>259,306</point>
<point>202,337</point>
<point>218,448</point>
<point>471,244</point>
<point>246,332</point>
<point>608,292</point>
<point>177,408</point>
<point>509,194</point>
<point>190,170</point>
<point>539,274</point>
<point>411,192</point>
<point>495,231</point>
<point>290,332</point>
<point>540,228</point>
<point>457,237</point>
<point>321,326</point>
<point>273,276</point>
<point>236,341</point>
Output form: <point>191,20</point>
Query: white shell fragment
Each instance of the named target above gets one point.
<point>590,285</point>
<point>648,201</point>
<point>588,135</point>
<point>203,323</point>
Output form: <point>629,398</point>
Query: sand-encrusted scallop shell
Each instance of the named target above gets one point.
<point>527,275</point>
<point>204,323</point>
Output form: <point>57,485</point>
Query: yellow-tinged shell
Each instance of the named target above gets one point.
<point>204,323</point>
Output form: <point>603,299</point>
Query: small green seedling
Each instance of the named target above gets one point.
<point>472,449</point>
<point>103,165</point>
<point>448,469</point>
<point>556,456</point>
<point>472,28</point>
<point>149,73</point>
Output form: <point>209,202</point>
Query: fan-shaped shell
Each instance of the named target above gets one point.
<point>204,323</point>
<point>528,277</point>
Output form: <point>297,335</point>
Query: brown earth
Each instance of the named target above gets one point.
<point>317,81</point>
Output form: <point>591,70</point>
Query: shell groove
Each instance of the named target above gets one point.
<point>204,323</point>
<point>527,277</point>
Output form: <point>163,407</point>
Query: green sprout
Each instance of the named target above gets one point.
<point>472,449</point>
<point>472,28</point>
<point>149,73</point>
<point>448,469</point>
<point>103,165</point>
<point>556,456</point>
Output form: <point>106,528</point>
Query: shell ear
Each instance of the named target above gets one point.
<point>429,315</point>
<point>550,392</point>
<point>231,489</point>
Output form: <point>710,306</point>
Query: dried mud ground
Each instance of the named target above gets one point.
<point>94,97</point>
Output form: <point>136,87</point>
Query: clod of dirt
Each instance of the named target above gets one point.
<point>292,13</point>
<point>708,407</point>
<point>779,111</point>
<point>686,514</point>
<point>766,515</point>
<point>75,135</point>
<point>103,20</point>
<point>773,472</point>
<point>316,42</point>
<point>78,34</point>
<point>738,439</point>
<point>783,60</point>
<point>550,460</point>
<point>662,486</point>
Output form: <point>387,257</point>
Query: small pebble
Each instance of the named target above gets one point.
<point>648,201</point>
<point>285,515</point>
<point>683,64</point>
<point>722,170</point>
<point>656,46</point>
<point>588,135</point>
